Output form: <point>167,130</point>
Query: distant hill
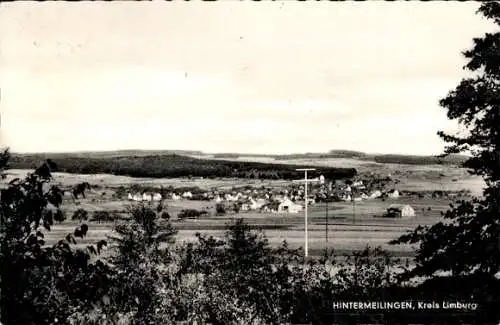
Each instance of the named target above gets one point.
<point>111,154</point>
<point>170,165</point>
<point>332,154</point>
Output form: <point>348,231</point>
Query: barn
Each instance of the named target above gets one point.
<point>400,211</point>
<point>288,206</point>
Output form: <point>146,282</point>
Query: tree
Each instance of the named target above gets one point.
<point>141,285</point>
<point>80,189</point>
<point>4,162</point>
<point>40,283</point>
<point>220,209</point>
<point>103,216</point>
<point>241,279</point>
<point>237,207</point>
<point>467,242</point>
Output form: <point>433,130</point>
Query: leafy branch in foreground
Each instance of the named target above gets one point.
<point>40,284</point>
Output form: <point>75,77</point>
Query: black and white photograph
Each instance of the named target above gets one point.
<point>249,162</point>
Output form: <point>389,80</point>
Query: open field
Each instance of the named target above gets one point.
<point>345,233</point>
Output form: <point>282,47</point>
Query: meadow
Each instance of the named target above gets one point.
<point>350,227</point>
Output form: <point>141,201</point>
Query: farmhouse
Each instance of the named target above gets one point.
<point>230,197</point>
<point>400,211</point>
<point>346,198</point>
<point>255,205</point>
<point>357,184</point>
<point>376,194</point>
<point>394,194</point>
<point>288,206</point>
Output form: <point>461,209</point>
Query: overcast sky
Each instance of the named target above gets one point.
<point>251,77</point>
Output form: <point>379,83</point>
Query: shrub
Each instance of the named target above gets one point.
<point>80,215</point>
<point>236,207</point>
<point>103,216</point>
<point>190,214</point>
<point>220,209</point>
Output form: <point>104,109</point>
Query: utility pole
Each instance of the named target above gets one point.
<point>306,180</point>
<point>353,207</point>
<point>353,211</point>
<point>326,219</point>
<point>326,193</point>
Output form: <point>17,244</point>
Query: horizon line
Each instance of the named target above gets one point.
<point>332,151</point>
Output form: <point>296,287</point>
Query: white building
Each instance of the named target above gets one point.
<point>401,211</point>
<point>288,206</point>
<point>394,194</point>
<point>357,184</point>
<point>375,194</point>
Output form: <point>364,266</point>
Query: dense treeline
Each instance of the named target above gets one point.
<point>175,166</point>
